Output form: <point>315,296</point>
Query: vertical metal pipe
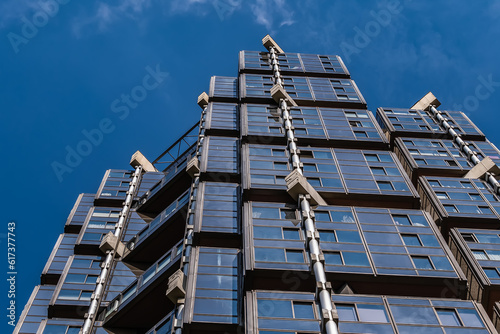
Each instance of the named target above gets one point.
<point>108,261</point>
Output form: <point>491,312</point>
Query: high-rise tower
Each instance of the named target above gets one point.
<point>289,208</point>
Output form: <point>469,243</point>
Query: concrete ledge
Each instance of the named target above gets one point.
<point>175,289</point>
<point>297,185</point>
<point>203,100</point>
<point>193,167</point>
<point>278,93</point>
<point>138,159</point>
<point>269,42</point>
<point>426,102</point>
<point>486,165</point>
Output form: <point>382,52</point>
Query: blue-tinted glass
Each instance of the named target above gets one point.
<point>378,171</point>
<point>265,179</point>
<point>372,313</point>
<point>75,278</point>
<point>327,168</point>
<point>411,240</point>
<point>355,259</point>
<point>91,279</point>
<point>448,317</point>
<point>342,217</point>
<point>314,182</point>
<point>414,315</point>
<point>280,165</point>
<point>348,236</point>
<point>73,330</point>
<point>333,183</point>
<point>371,157</point>
<point>165,328</point>
<point>287,214</point>
<point>346,313</point>
<point>291,234</point>
<point>422,262</point>
<point>294,256</point>
<point>333,258</point>
<point>384,185</point>
<point>265,232</point>
<point>260,151</point>
<point>419,330</point>
<point>273,213</point>
<point>401,219</point>
<point>491,273</point>
<point>54,329</point>
<point>470,318</point>
<point>441,263</point>
<point>260,164</point>
<point>488,238</point>
<point>322,216</point>
<point>303,310</point>
<point>322,155</point>
<point>278,153</point>
<point>392,261</point>
<point>429,240</point>
<point>434,184</point>
<point>310,168</point>
<point>450,208</point>
<point>274,308</point>
<point>270,254</point>
<point>327,236</point>
<point>385,158</point>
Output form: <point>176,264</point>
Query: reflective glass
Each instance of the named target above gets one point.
<point>448,317</point>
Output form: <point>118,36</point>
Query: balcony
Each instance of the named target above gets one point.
<point>293,64</point>
<point>158,236</point>
<point>132,309</point>
<point>460,202</point>
<point>389,251</point>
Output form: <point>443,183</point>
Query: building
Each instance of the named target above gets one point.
<point>289,208</point>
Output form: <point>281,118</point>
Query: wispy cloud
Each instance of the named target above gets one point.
<point>106,14</point>
<point>13,10</point>
<point>270,13</point>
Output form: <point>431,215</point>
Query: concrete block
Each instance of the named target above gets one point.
<point>278,93</point>
<point>203,100</point>
<point>175,288</point>
<point>426,102</point>
<point>297,185</point>
<point>193,167</point>
<point>138,159</point>
<point>269,42</point>
<point>478,171</point>
<point>111,242</point>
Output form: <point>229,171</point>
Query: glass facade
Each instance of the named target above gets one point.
<point>287,213</point>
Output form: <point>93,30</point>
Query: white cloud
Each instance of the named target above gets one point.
<point>106,14</point>
<point>267,12</point>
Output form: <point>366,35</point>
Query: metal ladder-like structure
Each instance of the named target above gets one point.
<point>323,287</point>
<point>115,242</point>
<point>194,171</point>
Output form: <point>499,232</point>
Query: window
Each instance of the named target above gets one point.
<point>296,256</point>
<point>385,185</point>
<point>451,163</point>
<point>468,237</point>
<point>333,258</point>
<point>422,262</point>
<point>434,183</point>
<point>327,236</point>
<point>362,312</point>
<point>442,195</point>
<point>401,219</point>
<point>450,208</point>
<point>411,240</point>
<point>479,255</point>
<point>287,214</point>
<point>355,124</point>
<point>491,273</point>
<point>280,165</point>
<point>310,167</point>
<point>291,234</point>
<point>270,255</point>
<point>60,329</point>
<point>448,317</point>
<point>378,171</point>
<point>371,157</point>
<point>347,312</point>
<point>303,310</point>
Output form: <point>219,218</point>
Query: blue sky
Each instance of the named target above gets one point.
<point>68,72</point>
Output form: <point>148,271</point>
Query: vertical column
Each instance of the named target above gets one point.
<point>323,288</point>
<point>110,254</point>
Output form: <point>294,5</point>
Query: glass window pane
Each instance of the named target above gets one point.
<point>291,234</point>
<point>448,317</point>
<point>303,310</point>
<point>333,258</point>
<point>401,219</point>
<point>348,236</point>
<point>414,315</point>
<point>270,254</point>
<point>470,318</point>
<point>411,240</point>
<point>347,313</point>
<point>422,262</point>
<point>265,232</point>
<point>274,308</point>
<point>295,256</point>
<point>372,313</point>
<point>355,259</point>
<point>273,213</point>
